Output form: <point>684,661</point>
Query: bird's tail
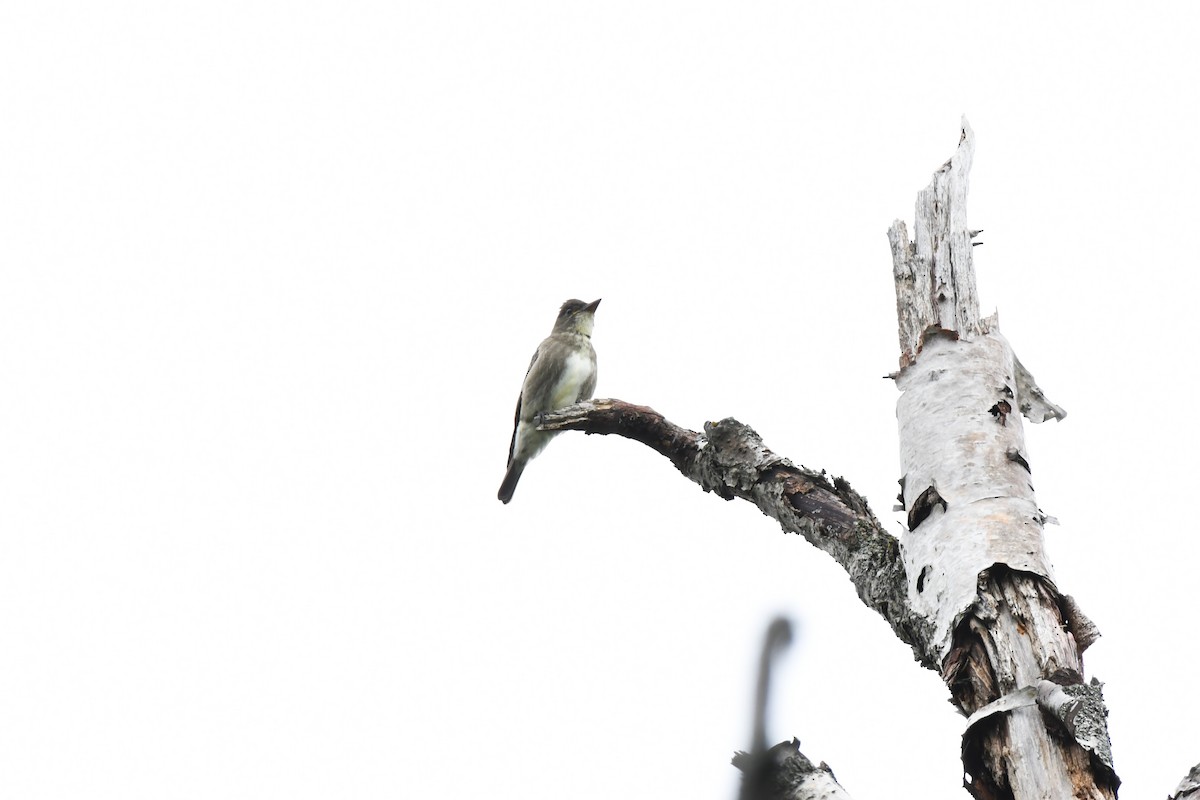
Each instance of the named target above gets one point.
<point>515,468</point>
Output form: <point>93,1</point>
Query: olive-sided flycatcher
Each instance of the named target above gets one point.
<point>562,372</point>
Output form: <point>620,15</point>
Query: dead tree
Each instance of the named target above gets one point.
<point>968,587</point>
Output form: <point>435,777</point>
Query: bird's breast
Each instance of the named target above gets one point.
<point>576,372</point>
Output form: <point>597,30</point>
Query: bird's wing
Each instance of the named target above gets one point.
<point>512,445</point>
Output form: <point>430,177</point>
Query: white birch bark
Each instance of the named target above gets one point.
<point>954,444</point>
<point>973,556</point>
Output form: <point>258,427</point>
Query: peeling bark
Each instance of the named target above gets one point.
<point>1082,628</point>
<point>1013,654</point>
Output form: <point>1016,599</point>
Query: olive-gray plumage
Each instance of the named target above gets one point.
<point>562,372</point>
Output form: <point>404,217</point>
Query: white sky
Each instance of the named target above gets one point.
<point>272,273</point>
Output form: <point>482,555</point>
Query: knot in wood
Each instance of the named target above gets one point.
<point>737,455</point>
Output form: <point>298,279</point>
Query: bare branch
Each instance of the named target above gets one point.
<point>730,459</point>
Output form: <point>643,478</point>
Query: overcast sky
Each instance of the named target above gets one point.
<point>271,276</point>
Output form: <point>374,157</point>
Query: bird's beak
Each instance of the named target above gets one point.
<point>591,307</point>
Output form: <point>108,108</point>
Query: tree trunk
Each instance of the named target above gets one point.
<point>974,553</point>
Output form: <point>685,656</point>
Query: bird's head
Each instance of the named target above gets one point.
<point>576,316</point>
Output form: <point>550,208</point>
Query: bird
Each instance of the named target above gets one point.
<point>562,372</point>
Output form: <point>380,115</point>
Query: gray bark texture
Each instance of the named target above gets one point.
<point>1189,787</point>
<point>731,460</point>
<point>968,587</point>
